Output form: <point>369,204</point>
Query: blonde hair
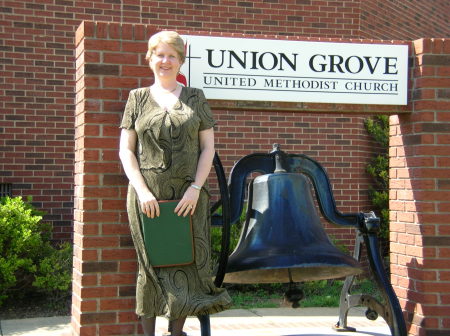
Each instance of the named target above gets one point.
<point>171,38</point>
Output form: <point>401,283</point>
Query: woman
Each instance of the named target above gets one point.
<point>167,148</point>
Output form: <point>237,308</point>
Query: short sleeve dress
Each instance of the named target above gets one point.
<point>167,152</point>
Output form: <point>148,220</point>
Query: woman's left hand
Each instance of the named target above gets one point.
<point>188,203</point>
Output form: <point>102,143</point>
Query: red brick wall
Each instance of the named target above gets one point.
<point>37,72</point>
<point>404,20</point>
<point>420,194</point>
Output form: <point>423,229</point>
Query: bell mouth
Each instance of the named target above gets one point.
<point>318,261</point>
<point>287,275</point>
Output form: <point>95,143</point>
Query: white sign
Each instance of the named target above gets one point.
<point>296,71</point>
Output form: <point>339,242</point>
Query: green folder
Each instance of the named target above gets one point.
<point>168,238</point>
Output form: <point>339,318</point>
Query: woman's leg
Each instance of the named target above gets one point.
<point>148,324</point>
<point>176,326</point>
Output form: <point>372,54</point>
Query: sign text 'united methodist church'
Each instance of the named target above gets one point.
<point>296,71</point>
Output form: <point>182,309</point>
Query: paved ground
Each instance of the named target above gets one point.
<point>236,322</point>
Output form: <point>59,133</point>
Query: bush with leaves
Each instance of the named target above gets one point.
<point>53,275</point>
<point>378,169</point>
<point>235,232</point>
<point>27,258</point>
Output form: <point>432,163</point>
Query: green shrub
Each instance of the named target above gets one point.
<point>27,258</point>
<point>216,236</point>
<point>53,275</point>
<point>378,169</point>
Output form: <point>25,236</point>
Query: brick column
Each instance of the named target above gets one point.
<point>420,194</point>
<point>108,66</point>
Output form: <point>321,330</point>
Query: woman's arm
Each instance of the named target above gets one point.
<point>149,204</point>
<point>207,151</point>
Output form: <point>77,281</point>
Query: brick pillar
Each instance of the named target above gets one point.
<point>420,194</point>
<point>108,66</point>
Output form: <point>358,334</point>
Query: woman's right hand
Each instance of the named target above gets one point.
<point>149,204</point>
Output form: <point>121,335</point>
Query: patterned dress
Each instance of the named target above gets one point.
<point>167,153</point>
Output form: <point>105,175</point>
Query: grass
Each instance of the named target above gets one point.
<point>323,293</point>
<point>255,300</point>
<point>256,296</point>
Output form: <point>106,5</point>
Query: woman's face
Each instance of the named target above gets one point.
<point>165,61</point>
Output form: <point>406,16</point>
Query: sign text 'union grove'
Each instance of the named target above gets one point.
<point>254,60</point>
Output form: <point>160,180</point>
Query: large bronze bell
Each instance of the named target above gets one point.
<point>283,239</point>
